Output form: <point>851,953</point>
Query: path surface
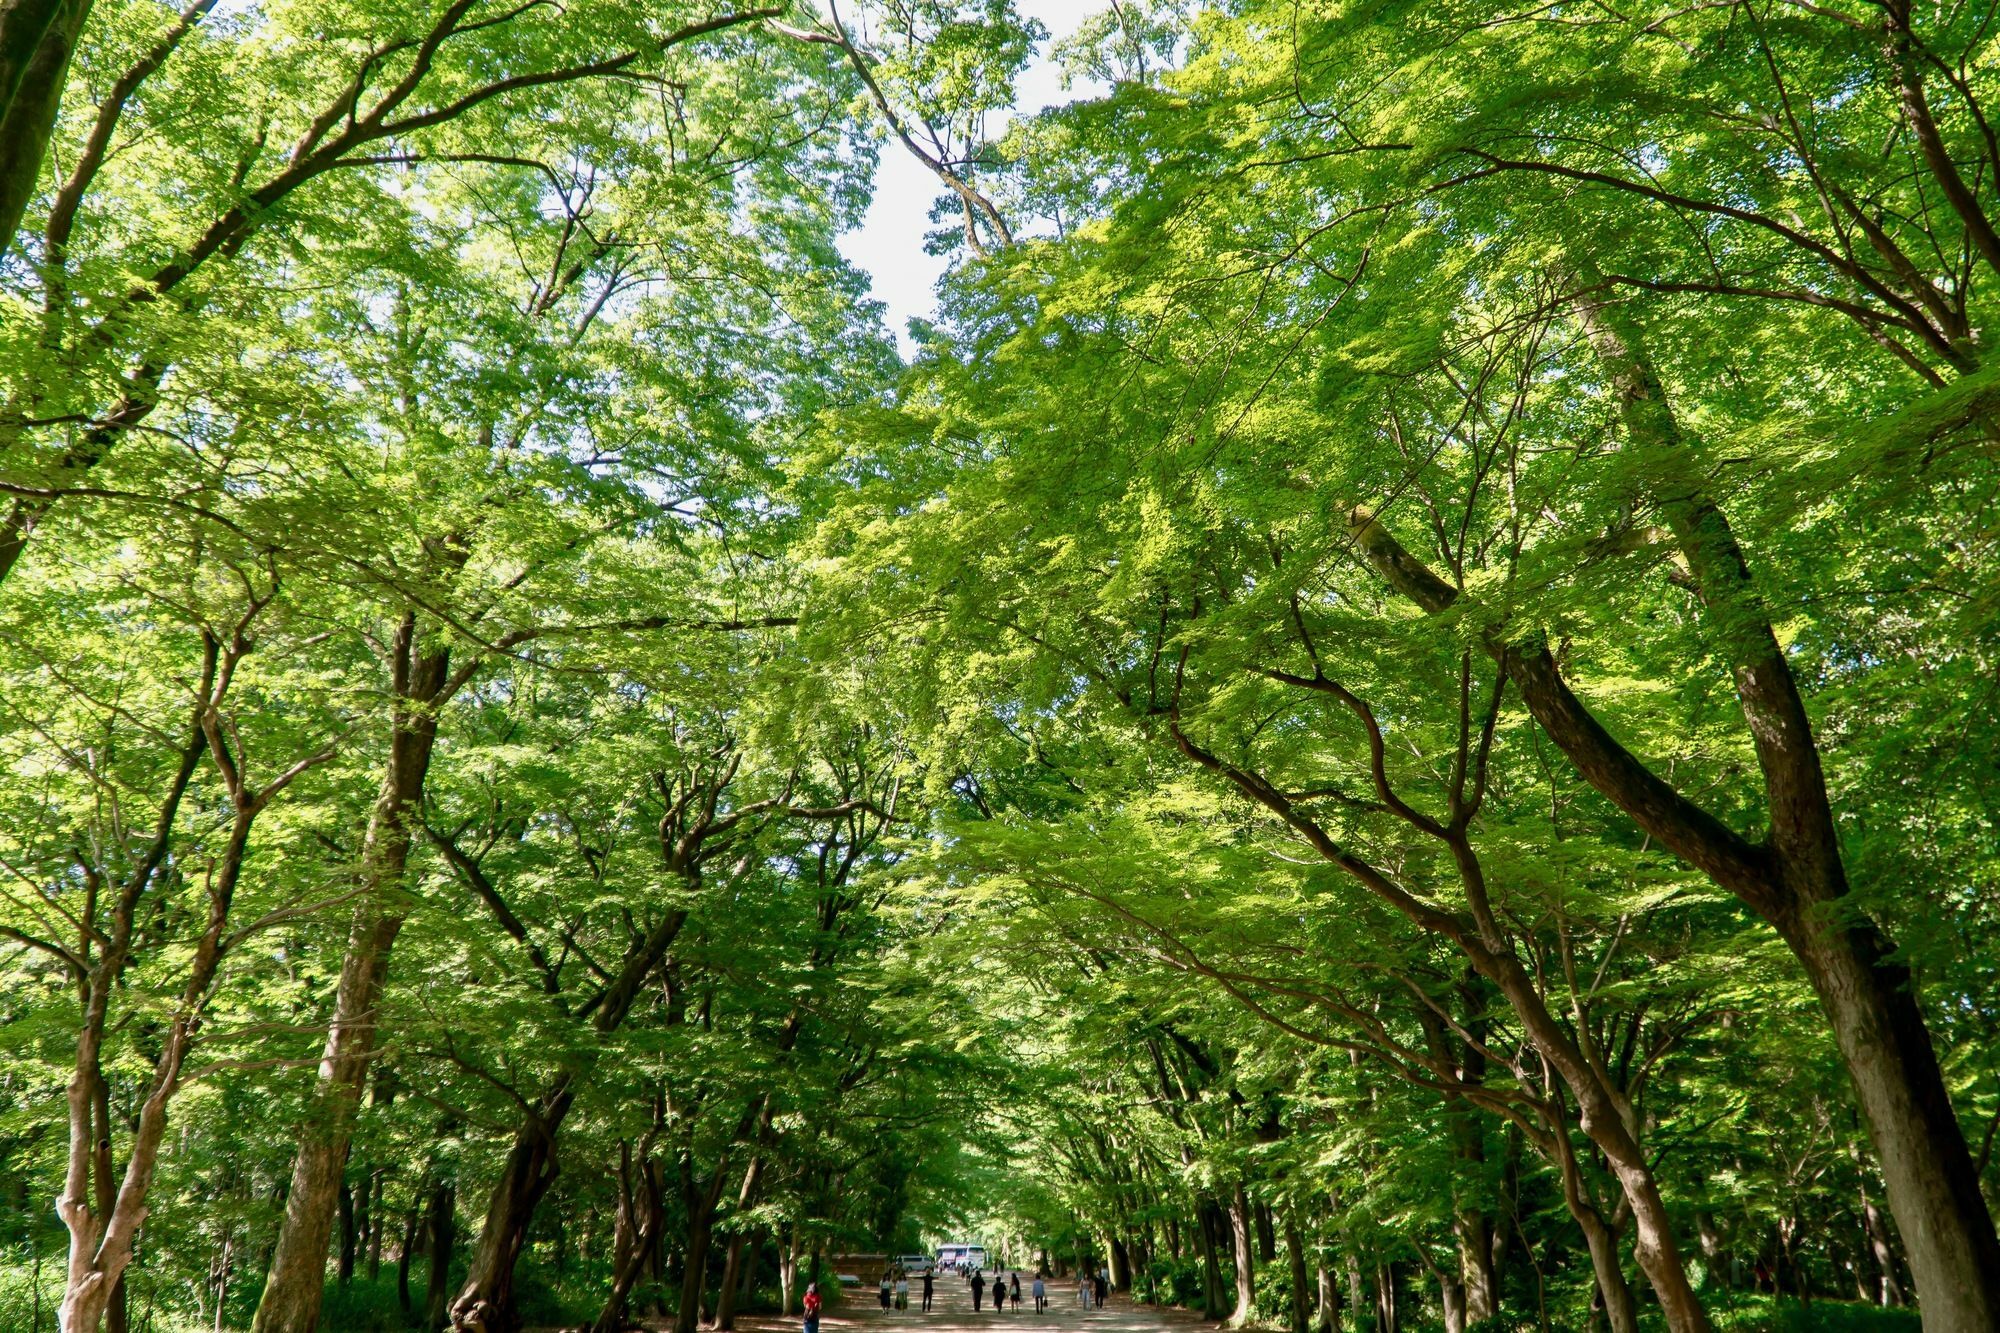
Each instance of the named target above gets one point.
<point>951,1312</point>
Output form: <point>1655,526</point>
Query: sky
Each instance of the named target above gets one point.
<point>889,244</point>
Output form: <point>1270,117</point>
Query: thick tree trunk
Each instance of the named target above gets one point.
<point>1326,1315</point>
<point>291,1299</point>
<point>1868,997</point>
<point>1121,1263</point>
<point>1451,1299</point>
<point>1385,1298</point>
<point>701,1232</point>
<point>1246,1273</point>
<point>1295,1256</point>
<point>37,39</point>
<point>443,1229</point>
<point>1211,1271</point>
<point>1612,1288</point>
<point>530,1168</point>
<point>1475,1262</point>
<point>1796,879</point>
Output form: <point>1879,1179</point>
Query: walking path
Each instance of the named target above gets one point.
<point>951,1312</point>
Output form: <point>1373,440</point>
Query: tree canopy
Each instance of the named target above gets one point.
<point>1389,724</point>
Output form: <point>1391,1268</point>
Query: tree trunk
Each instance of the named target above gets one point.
<point>345,1271</point>
<point>376,1220</point>
<point>530,1168</point>
<point>1451,1299</point>
<point>701,1230</point>
<point>1868,996</point>
<point>1796,879</point>
<point>1475,1263</point>
<point>788,1271</point>
<point>102,1237</point>
<point>291,1299</point>
<point>1385,1298</point>
<point>403,1257</point>
<point>1612,1288</point>
<point>443,1233</point>
<point>1326,1316</point>
<point>37,38</point>
<point>1889,1289</point>
<point>1267,1238</point>
<point>1121,1263</point>
<point>1295,1256</point>
<point>1246,1275</point>
<point>1211,1271</point>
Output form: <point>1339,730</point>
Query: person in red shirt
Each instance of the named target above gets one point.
<point>812,1307</point>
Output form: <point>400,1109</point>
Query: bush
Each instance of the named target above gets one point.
<point>362,1306</point>
<point>17,1296</point>
<point>1741,1312</point>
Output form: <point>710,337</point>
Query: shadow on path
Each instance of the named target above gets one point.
<point>951,1312</point>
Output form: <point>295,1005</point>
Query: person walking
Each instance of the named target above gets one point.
<point>1101,1286</point>
<point>927,1291</point>
<point>902,1289</point>
<point>978,1288</point>
<point>1041,1293</point>
<point>999,1293</point>
<point>1083,1288</point>
<point>1014,1292</point>
<point>884,1290</point>
<point>812,1307</point>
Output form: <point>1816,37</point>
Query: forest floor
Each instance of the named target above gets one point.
<point>951,1312</point>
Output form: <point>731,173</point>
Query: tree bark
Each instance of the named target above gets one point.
<point>376,1219</point>
<point>1889,1290</point>
<point>404,1254</point>
<point>1211,1271</point>
<point>1246,1274</point>
<point>1295,1256</point>
<point>37,39</point>
<point>345,1270</point>
<point>102,1236</point>
<point>291,1299</point>
<point>746,1195</point>
<point>443,1229</point>
<point>702,1204</point>
<point>1796,879</point>
<point>1868,997</point>
<point>525,1176</point>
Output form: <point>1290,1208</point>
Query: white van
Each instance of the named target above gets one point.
<point>916,1265</point>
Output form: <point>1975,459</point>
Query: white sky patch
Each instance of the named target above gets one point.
<point>889,244</point>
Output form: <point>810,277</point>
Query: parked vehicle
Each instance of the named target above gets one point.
<point>961,1256</point>
<point>916,1265</point>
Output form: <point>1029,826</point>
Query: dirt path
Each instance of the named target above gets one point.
<point>951,1312</point>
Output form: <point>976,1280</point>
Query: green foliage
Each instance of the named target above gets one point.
<point>460,505</point>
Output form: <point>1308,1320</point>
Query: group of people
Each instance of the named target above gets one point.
<point>1001,1288</point>
<point>896,1287</point>
<point>1093,1286</point>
